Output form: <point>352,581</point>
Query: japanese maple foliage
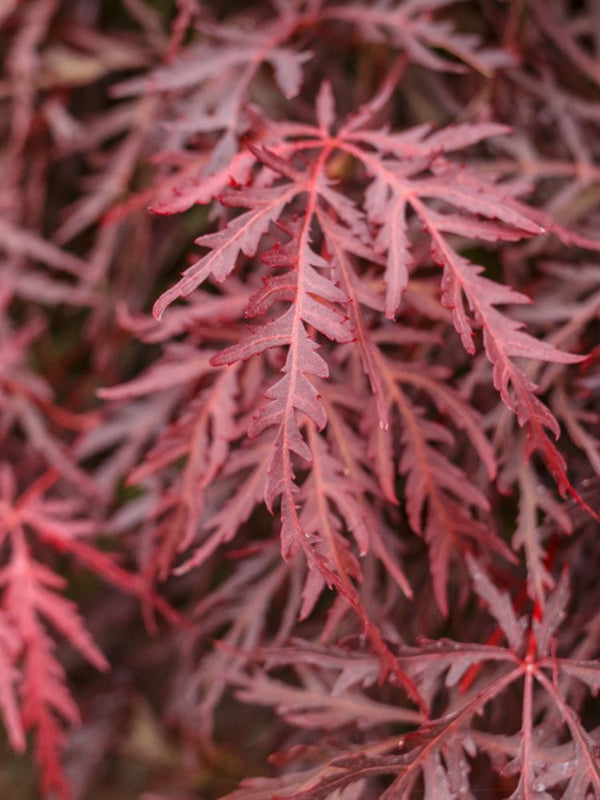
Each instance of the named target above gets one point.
<point>299,350</point>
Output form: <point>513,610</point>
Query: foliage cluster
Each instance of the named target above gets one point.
<point>297,298</point>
